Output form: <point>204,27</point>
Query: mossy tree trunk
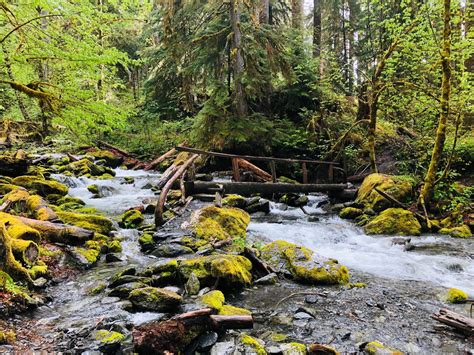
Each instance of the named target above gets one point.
<point>238,60</point>
<point>426,193</point>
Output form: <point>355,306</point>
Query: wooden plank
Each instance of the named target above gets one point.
<point>248,188</point>
<point>235,169</point>
<point>252,157</point>
<point>305,173</point>
<point>246,165</point>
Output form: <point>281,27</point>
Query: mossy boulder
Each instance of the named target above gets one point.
<point>109,158</point>
<point>6,188</point>
<point>220,223</point>
<point>17,229</point>
<point>457,232</point>
<point>154,299</point>
<point>41,186</point>
<point>350,213</point>
<point>303,264</point>
<point>293,349</point>
<point>456,295</point>
<point>131,219</point>
<point>251,345</point>
<point>400,187</point>
<point>109,342</point>
<point>231,270</point>
<point>394,221</point>
<point>86,167</point>
<point>69,199</point>
<point>215,299</point>
<point>93,189</point>
<point>92,222</point>
<point>234,201</point>
<point>377,348</point>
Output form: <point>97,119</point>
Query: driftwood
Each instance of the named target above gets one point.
<point>458,321</point>
<point>246,165</point>
<point>249,188</point>
<point>59,233</point>
<point>393,200</point>
<point>114,149</point>
<point>177,333</point>
<point>160,159</point>
<point>164,192</point>
<point>166,176</point>
<point>259,266</point>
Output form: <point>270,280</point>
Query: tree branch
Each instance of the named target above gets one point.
<point>24,24</point>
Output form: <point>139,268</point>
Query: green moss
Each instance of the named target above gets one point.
<point>8,285</point>
<point>303,264</point>
<point>41,186</point>
<point>38,270</point>
<point>107,337</point>
<point>457,232</point>
<point>229,269</point>
<point>90,255</point>
<point>105,176</point>
<point>69,206</point>
<point>278,337</point>
<point>394,221</point>
<point>400,187</point>
<point>234,201</point>
<point>86,167</point>
<point>287,180</point>
<point>154,299</point>
<point>193,243</point>
<point>89,210</point>
<point>6,188</point>
<point>350,213</point>
<point>93,189</point>
<point>17,229</point>
<point>376,347</point>
<point>97,289</point>
<point>456,295</point>
<point>253,343</point>
<point>294,349</point>
<point>214,299</point>
<point>7,337</point>
<point>68,199</point>
<point>95,223</point>
<point>357,285</point>
<point>115,246</point>
<point>131,219</point>
<point>145,238</point>
<point>228,310</point>
<point>220,223</point>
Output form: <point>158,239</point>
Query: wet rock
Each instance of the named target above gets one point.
<point>83,258</point>
<point>110,159</point>
<point>96,223</point>
<point>203,177</point>
<point>294,200</point>
<point>224,348</point>
<point>154,299</point>
<point>350,213</point>
<point>206,341</point>
<point>394,221</point>
<point>311,299</point>
<point>251,345</point>
<point>377,348</point>
<point>261,205</point>
<point>302,316</point>
<point>457,232</point>
<point>43,187</point>
<point>193,285</point>
<point>171,250</point>
<point>123,291</point>
<point>160,267</point>
<point>303,264</point>
<point>131,219</point>
<point>113,258</point>
<point>293,349</point>
<point>127,279</point>
<point>270,279</point>
<point>313,219</point>
<point>274,350</point>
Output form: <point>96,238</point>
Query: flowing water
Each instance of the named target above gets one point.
<point>73,311</point>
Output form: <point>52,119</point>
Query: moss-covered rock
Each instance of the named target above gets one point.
<point>303,264</point>
<point>214,299</point>
<point>154,299</point>
<point>234,201</point>
<point>228,310</point>
<point>40,186</point>
<point>293,349</point>
<point>85,167</point>
<point>17,229</point>
<point>456,295</point>
<point>294,200</point>
<point>68,199</point>
<point>93,189</point>
<point>6,188</point>
<point>252,345</point>
<point>400,187</point>
<point>350,213</point>
<point>131,219</point>
<point>220,223</point>
<point>108,157</point>
<point>231,270</point>
<point>114,246</point>
<point>95,223</point>
<point>109,341</point>
<point>7,337</point>
<point>394,221</point>
<point>457,232</point>
<point>377,348</point>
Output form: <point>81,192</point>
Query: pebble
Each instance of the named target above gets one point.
<point>311,299</point>
<point>206,341</point>
<point>302,315</point>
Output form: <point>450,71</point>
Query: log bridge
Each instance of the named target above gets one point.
<point>270,184</point>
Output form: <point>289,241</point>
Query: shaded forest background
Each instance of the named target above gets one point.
<point>356,81</point>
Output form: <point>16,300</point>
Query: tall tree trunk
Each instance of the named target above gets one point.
<point>265,12</point>
<point>469,63</point>
<point>19,99</point>
<point>316,28</point>
<point>238,60</point>
<point>297,14</point>
<point>43,74</point>
<point>429,184</point>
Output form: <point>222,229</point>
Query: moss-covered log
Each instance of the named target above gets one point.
<point>8,263</point>
<point>34,205</point>
<point>17,229</point>
<point>25,251</point>
<point>13,164</point>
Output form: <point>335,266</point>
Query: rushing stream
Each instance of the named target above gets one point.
<point>436,260</point>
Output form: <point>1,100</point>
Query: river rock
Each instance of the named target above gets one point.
<point>42,186</point>
<point>109,342</point>
<point>270,279</point>
<point>224,348</point>
<point>193,285</point>
<point>154,299</point>
<point>394,221</point>
<point>206,341</point>
<point>110,159</point>
<point>124,279</point>
<point>113,258</point>
<point>171,250</point>
<point>131,219</point>
<point>123,291</point>
<point>303,264</point>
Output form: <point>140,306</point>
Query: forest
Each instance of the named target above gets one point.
<point>236,176</point>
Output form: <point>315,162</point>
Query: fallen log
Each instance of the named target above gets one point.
<point>175,334</point>
<point>114,149</point>
<point>249,188</point>
<point>259,266</point>
<point>458,321</point>
<point>393,200</point>
<point>164,192</point>
<point>160,159</point>
<point>246,165</point>
<point>25,251</point>
<point>21,201</point>
<point>8,263</point>
<point>59,233</point>
<point>166,176</point>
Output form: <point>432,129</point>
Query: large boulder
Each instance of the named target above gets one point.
<point>394,221</point>
<point>109,158</point>
<point>230,270</point>
<point>303,264</point>
<point>92,222</point>
<point>87,168</point>
<point>41,186</point>
<point>220,223</point>
<point>154,299</point>
<point>400,187</point>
